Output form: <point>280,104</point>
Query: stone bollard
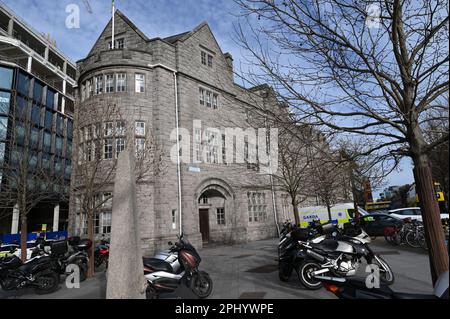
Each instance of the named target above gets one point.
<point>125,270</point>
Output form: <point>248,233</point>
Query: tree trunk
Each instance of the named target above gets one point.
<point>23,238</point>
<point>330,219</point>
<point>434,232</point>
<point>296,213</point>
<point>91,265</point>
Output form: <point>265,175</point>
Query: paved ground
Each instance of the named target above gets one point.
<point>250,271</point>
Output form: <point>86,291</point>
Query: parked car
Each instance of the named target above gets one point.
<point>375,224</point>
<point>411,212</point>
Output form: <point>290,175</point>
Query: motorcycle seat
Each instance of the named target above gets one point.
<point>157,264</point>
<point>326,245</point>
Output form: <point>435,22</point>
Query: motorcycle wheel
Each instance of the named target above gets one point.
<point>201,284</point>
<point>304,275</point>
<point>83,270</point>
<point>150,293</point>
<point>284,271</point>
<point>412,240</point>
<point>47,283</point>
<point>386,274</point>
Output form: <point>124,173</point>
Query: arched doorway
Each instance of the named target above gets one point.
<point>215,202</point>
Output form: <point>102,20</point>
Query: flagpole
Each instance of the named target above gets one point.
<point>113,13</point>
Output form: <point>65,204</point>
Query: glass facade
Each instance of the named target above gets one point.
<point>33,108</point>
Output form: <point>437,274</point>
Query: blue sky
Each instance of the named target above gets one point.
<point>156,18</point>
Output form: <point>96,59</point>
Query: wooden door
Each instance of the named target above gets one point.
<point>204,224</point>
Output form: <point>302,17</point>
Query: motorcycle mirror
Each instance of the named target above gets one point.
<point>170,243</point>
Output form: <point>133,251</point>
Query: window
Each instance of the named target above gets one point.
<point>140,147</point>
<point>212,148</point>
<point>50,102</point>
<point>121,82</point>
<point>120,146</point>
<point>220,216</point>
<point>215,101</point>
<point>2,156</point>
<point>90,89</point>
<point>174,219</point>
<point>34,138</point>
<point>20,134</point>
<point>210,61</point>
<point>99,84</point>
<point>37,91</point>
<point>36,115</point>
<point>140,128</point>
<point>59,146</point>
<point>256,207</point>
<point>59,125</point>
<point>47,142</point>
<point>83,92</point>
<point>108,150</point>
<point>6,76</point>
<point>3,128</point>
<point>5,99</point>
<point>198,145</point>
<point>208,99</point>
<point>202,96</point>
<point>106,222</point>
<point>109,83</point>
<point>203,57</point>
<point>121,128</point>
<point>107,200</point>
<point>46,161</point>
<point>48,121</point>
<point>96,224</point>
<point>224,149</point>
<point>118,44</point>
<point>21,108</point>
<point>109,126</point>
<point>23,84</point>
<point>140,83</point>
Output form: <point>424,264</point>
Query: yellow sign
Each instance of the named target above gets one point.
<point>44,227</point>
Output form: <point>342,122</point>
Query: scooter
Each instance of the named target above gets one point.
<point>356,288</point>
<point>178,266</point>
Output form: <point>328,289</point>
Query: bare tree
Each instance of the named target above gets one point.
<point>26,181</point>
<point>295,151</point>
<point>370,76</point>
<point>101,133</point>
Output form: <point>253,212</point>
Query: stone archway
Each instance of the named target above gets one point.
<point>215,202</point>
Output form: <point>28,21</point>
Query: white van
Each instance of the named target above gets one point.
<point>340,214</point>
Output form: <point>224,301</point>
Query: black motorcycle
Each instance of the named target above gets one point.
<point>332,251</point>
<point>289,246</point>
<point>66,253</point>
<point>356,288</point>
<point>38,272</point>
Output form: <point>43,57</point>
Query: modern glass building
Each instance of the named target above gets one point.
<point>36,108</point>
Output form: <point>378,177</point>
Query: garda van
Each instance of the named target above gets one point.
<point>340,214</point>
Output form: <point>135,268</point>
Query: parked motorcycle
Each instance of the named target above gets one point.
<point>38,272</point>
<point>356,288</point>
<point>289,246</point>
<point>168,271</point>
<point>329,250</point>
<point>101,253</point>
<point>65,253</point>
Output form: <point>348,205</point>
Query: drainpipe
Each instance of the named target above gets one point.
<point>177,124</point>
<point>274,206</point>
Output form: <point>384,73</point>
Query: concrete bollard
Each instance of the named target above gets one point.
<point>125,270</point>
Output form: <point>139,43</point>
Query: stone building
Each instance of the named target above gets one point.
<point>149,79</point>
